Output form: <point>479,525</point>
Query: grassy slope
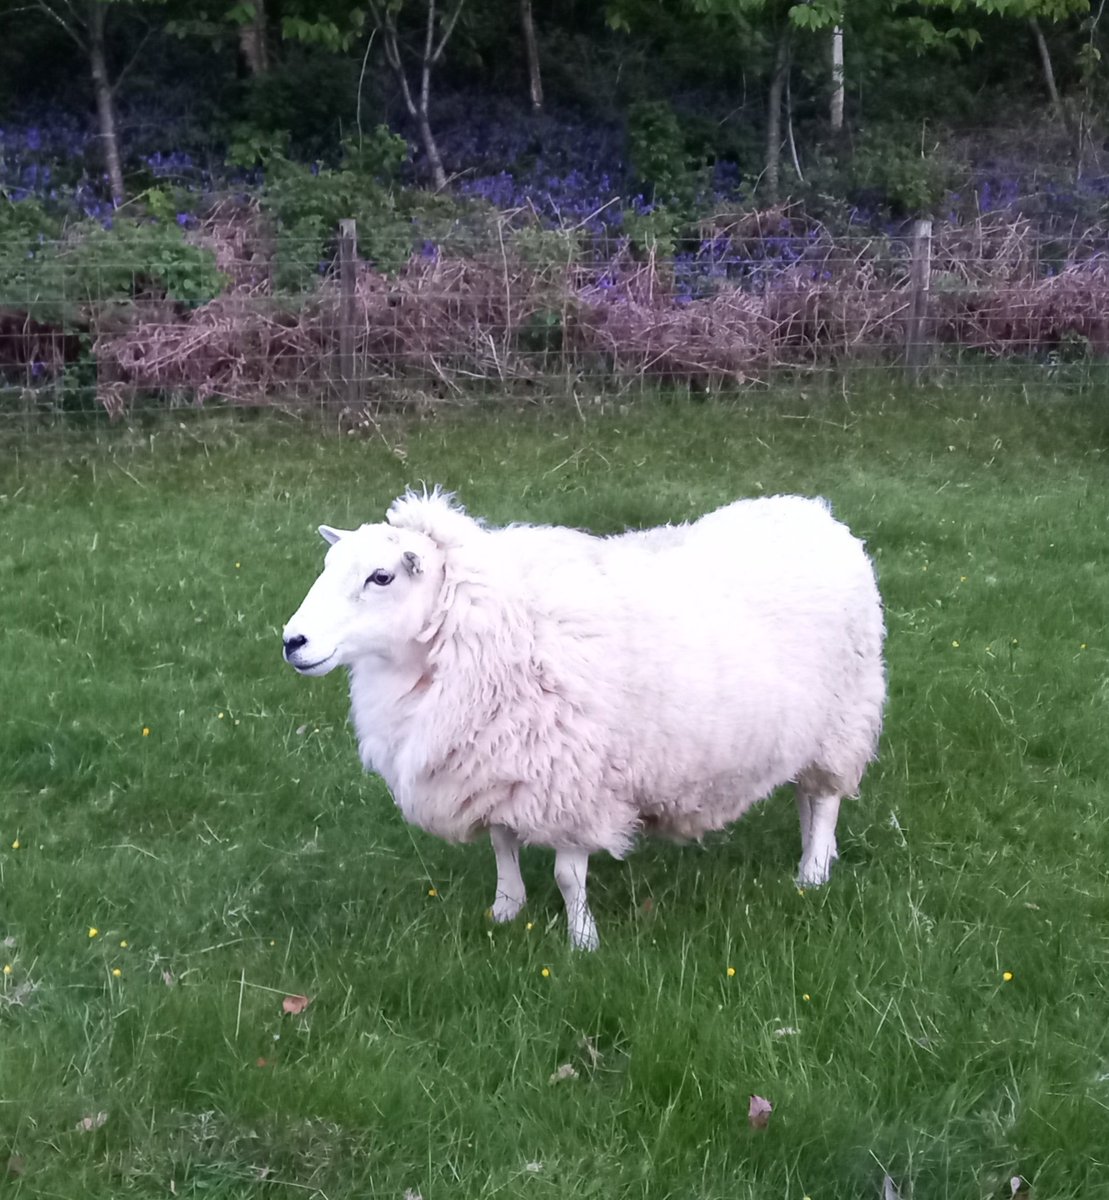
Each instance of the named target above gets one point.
<point>145,586</point>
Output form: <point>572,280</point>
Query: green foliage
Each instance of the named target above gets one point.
<point>26,233</point>
<point>56,280</point>
<point>655,232</point>
<point>140,258</point>
<point>322,30</point>
<point>890,168</point>
<point>308,98</point>
<point>546,248</point>
<point>306,203</point>
<point>659,153</point>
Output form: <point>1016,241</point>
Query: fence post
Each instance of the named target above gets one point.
<point>348,257</point>
<point>917,333</point>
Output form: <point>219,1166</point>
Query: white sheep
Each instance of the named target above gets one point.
<point>553,688</point>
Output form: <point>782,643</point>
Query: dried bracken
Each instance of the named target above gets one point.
<point>765,290</point>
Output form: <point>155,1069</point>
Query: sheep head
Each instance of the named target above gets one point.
<point>373,599</point>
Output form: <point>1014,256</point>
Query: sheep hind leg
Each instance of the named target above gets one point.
<point>510,895</point>
<point>571,868</point>
<point>819,812</point>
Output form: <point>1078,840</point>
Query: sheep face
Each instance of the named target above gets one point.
<point>374,598</point>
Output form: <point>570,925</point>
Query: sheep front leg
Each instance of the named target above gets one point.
<point>819,813</point>
<point>571,867</point>
<point>510,895</point>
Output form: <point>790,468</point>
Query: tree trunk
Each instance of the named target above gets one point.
<point>105,102</point>
<point>774,116</point>
<point>253,42</point>
<point>431,149</point>
<point>1049,71</point>
<point>837,80</point>
<point>531,52</point>
<point>789,134</point>
<point>432,53</point>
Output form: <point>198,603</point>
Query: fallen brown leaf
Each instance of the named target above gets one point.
<point>758,1112</point>
<point>295,1004</point>
<point>648,905</point>
<point>260,1062</point>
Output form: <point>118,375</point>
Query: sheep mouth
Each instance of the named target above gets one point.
<point>308,668</point>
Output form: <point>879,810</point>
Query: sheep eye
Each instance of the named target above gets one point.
<point>381,578</point>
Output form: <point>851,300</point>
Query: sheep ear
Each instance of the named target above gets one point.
<point>331,536</point>
<point>412,562</point>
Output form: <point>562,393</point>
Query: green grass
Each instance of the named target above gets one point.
<point>144,584</point>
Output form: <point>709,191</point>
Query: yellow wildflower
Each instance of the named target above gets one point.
<point>806,997</point>
<point>1007,976</point>
<point>545,972</point>
<point>7,968</point>
<point>93,931</point>
<point>116,972</point>
<point>730,972</point>
<point>123,944</point>
<point>146,731</point>
<point>956,645</point>
<point>530,925</point>
<point>15,844</point>
<point>433,891</point>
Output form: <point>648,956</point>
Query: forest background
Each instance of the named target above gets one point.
<point>684,192</point>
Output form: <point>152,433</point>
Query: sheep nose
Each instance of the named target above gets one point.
<point>293,644</point>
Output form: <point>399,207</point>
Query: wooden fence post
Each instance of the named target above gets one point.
<point>348,279</point>
<point>917,330</point>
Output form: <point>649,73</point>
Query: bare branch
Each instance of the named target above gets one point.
<point>49,11</point>
<point>384,21</point>
<point>132,60</point>
<point>448,29</point>
<point>425,65</point>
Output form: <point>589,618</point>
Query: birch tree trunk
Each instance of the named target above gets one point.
<point>432,52</point>
<point>105,101</point>
<point>772,173</point>
<point>836,115</point>
<point>531,52</point>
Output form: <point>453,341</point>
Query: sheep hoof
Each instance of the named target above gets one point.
<point>506,908</point>
<point>815,873</point>
<point>583,934</point>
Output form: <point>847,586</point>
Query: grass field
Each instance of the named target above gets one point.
<point>168,783</point>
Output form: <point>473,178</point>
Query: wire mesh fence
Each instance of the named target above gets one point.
<point>544,313</point>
